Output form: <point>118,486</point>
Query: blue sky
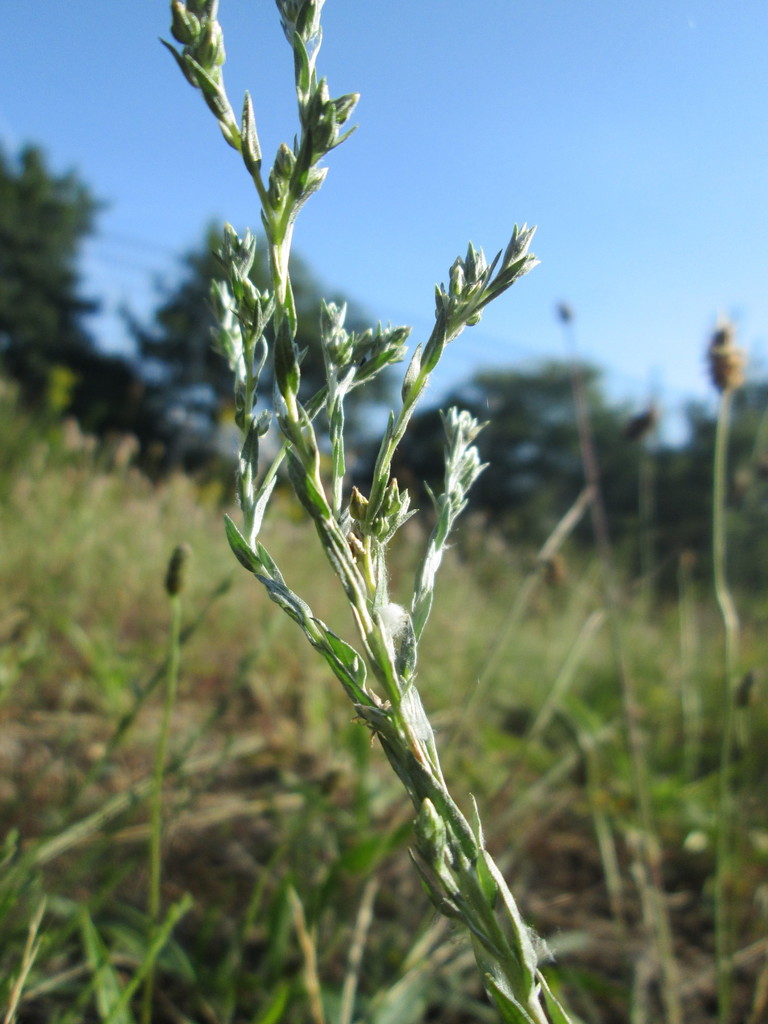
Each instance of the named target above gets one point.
<point>632,133</point>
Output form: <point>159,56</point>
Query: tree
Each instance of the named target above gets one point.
<point>44,343</point>
<point>44,219</point>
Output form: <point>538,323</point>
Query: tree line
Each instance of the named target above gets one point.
<point>174,390</point>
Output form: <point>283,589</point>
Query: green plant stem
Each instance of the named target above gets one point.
<point>156,810</point>
<point>646,511</point>
<point>690,700</point>
<point>731,629</point>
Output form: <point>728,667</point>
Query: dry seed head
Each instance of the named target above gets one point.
<point>641,425</point>
<point>726,360</point>
<point>175,576</point>
<point>564,312</point>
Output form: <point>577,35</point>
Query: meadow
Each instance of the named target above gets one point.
<point>202,826</point>
<point>287,889</point>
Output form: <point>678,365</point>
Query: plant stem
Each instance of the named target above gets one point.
<point>731,629</point>
<point>156,811</point>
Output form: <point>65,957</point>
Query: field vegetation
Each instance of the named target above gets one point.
<point>197,826</point>
<point>281,820</point>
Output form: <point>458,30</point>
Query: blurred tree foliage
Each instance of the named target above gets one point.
<point>43,221</point>
<point>44,343</point>
<point>172,393</point>
<point>531,446</point>
<point>534,469</point>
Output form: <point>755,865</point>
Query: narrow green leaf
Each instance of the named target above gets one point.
<point>275,1011</point>
<point>240,548</point>
<point>181,63</point>
<point>346,663</point>
<point>155,947</point>
<point>287,373</point>
<point>411,374</point>
<point>269,563</point>
<point>301,67</point>
<point>106,982</point>
<point>520,940</point>
<point>511,1011</point>
<point>311,497</point>
<point>251,149</point>
<point>555,1009</point>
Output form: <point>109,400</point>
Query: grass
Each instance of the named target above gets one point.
<point>277,814</point>
<point>197,829</point>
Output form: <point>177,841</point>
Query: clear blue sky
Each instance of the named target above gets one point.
<point>632,133</point>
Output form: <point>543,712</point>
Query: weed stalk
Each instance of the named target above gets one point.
<point>726,367</point>
<point>354,530</point>
<point>173,585</point>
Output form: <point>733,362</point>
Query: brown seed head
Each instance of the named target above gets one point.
<point>174,578</point>
<point>726,360</point>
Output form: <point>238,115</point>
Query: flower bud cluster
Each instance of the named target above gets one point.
<point>242,314</point>
<point>462,459</point>
<point>194,24</point>
<point>364,354</point>
<point>392,513</point>
<point>323,117</point>
<point>466,285</point>
<point>300,17</point>
<point>472,284</point>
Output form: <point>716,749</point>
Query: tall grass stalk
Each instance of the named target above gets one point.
<point>356,950</point>
<point>173,586</point>
<point>646,511</point>
<point>257,328</point>
<point>690,697</point>
<point>726,364</point>
<point>28,958</point>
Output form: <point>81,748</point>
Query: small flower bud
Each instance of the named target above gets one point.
<point>209,49</point>
<point>175,576</point>
<point>185,27</point>
<point>251,149</point>
<point>457,280</point>
<point>344,105</point>
<point>358,503</point>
